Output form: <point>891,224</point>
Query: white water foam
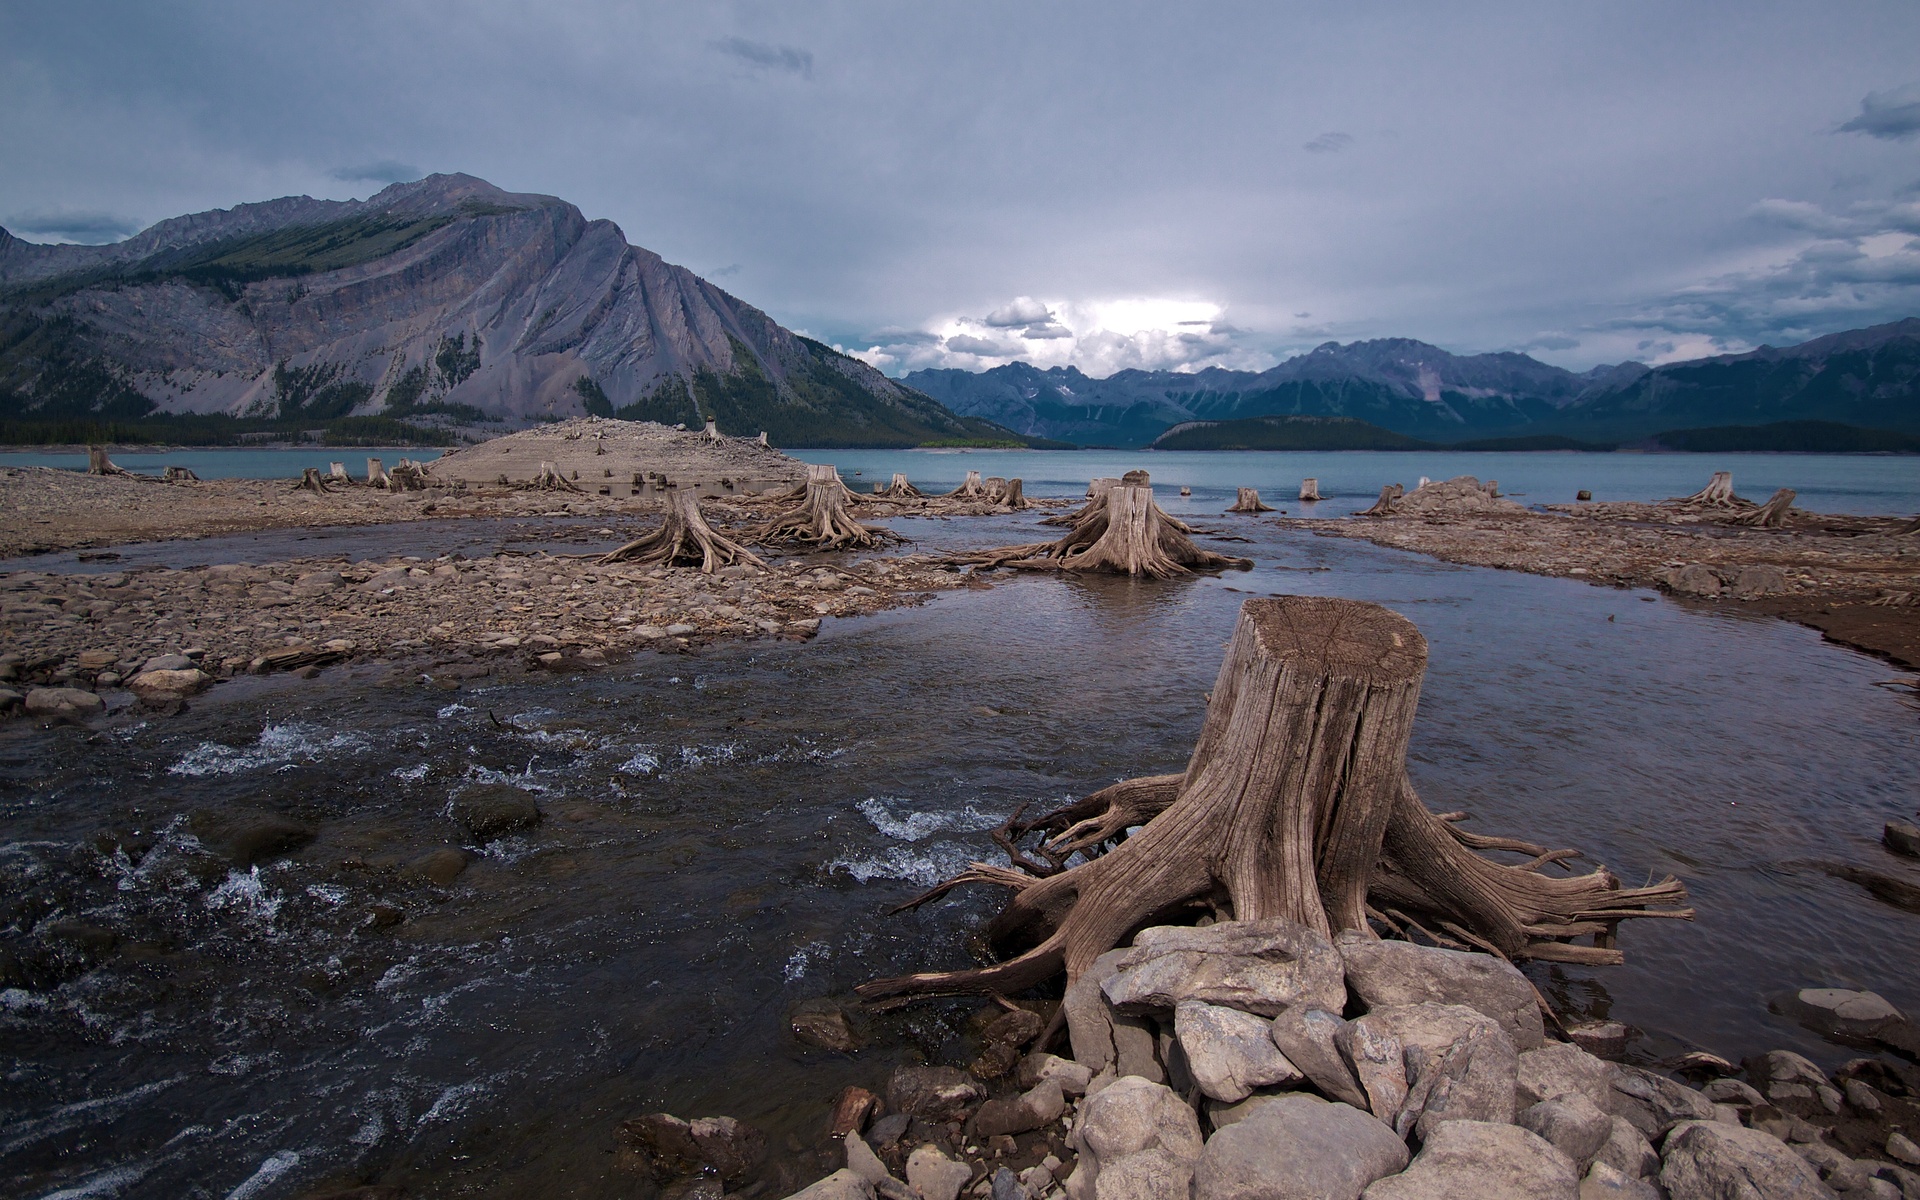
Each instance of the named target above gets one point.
<point>801,959</point>
<point>700,756</point>
<point>277,1165</point>
<point>914,826</point>
<point>412,774</point>
<point>246,896</point>
<point>644,762</point>
<point>110,1182</point>
<point>925,867</point>
<point>279,746</point>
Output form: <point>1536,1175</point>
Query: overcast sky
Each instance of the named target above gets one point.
<point>1103,184</point>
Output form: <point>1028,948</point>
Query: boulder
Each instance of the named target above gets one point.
<point>1572,1123</point>
<point>491,810</point>
<point>1757,581</point>
<point>1838,1011</point>
<point>1040,1105</point>
<point>822,1022</point>
<point>1383,973</point>
<point>935,1176</point>
<point>664,1146</point>
<point>1262,967</point>
<point>1298,1147</point>
<point>163,662</point>
<point>1136,1139</point>
<point>937,1094</point>
<point>1149,1175</point>
<point>158,687</point>
<point>862,1161</point>
<point>1459,1063</point>
<point>63,703</point>
<point>1310,1040</point>
<point>1708,1160</point>
<point>1039,1066</point>
<point>1221,1115</point>
<point>1482,1161</point>
<point>1229,1053</point>
<point>1602,1039</point>
<point>443,866</point>
<point>1694,579</point>
<point>1556,1069</point>
<point>841,1185</point>
<point>1102,1039</point>
<point>1627,1152</point>
<point>1602,1182</point>
<point>1379,1062</point>
<point>1653,1103</point>
<point>1732,1091</point>
<point>1901,837</point>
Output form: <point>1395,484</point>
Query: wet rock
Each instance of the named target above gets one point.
<point>82,935</point>
<point>1005,1185</point>
<point>490,810</point>
<point>1559,1068</point>
<point>1298,1147</point>
<point>1072,1077</point>
<point>934,1093</point>
<point>1485,1162</point>
<point>1902,837</point>
<point>63,703</point>
<point>1838,1011</point>
<point>664,1146</point>
<point>1572,1123</point>
<point>935,1176</point>
<point>1032,1109</point>
<point>249,838</point>
<point>11,698</point>
<point>1229,1053</point>
<point>1784,1066</point>
<point>851,1110</point>
<point>1383,973</point>
<point>888,1130</point>
<point>1732,1091</point>
<point>1653,1103</point>
<point>443,866</point>
<point>1707,1160</point>
<point>1102,1039</point>
<point>1602,1039</point>
<point>822,1022</point>
<point>1459,1063</point>
<point>1626,1151</point>
<point>841,1185</point>
<point>1135,1138</point>
<point>1603,1182</point>
<point>375,1191</point>
<point>1309,1038</point>
<point>1002,1041</point>
<point>383,916</point>
<point>1262,967</point>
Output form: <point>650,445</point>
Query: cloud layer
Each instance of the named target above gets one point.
<point>937,185</point>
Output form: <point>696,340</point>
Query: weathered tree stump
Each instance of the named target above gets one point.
<point>99,464</point>
<point>970,489</point>
<point>1248,501</point>
<point>1295,804</point>
<point>1492,488</point>
<point>1772,514</point>
<point>1123,533</point>
<point>311,481</point>
<point>337,473</point>
<point>1717,494</point>
<point>377,473</point>
<point>1309,489</point>
<point>550,479</point>
<point>1389,497</point>
<point>822,520</point>
<point>180,475</point>
<point>685,539</point>
<point>1009,494</point>
<point>1096,499</point>
<point>762,439</point>
<point>712,431</point>
<point>899,489</point>
<point>409,476</point>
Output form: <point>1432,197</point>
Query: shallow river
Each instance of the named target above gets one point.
<point>724,832</point>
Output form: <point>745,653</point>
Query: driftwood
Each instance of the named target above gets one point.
<point>312,481</point>
<point>1295,804</point>
<point>1309,489</point>
<point>181,475</point>
<point>1249,502</point>
<point>99,464</point>
<point>1717,494</point>
<point>1389,497</point>
<point>551,480</point>
<point>685,539</point>
<point>1123,532</point>
<point>1772,514</point>
<point>822,521</point>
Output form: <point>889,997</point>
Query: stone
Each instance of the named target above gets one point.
<point>1149,1175</point>
<point>823,1022</point>
<point>1572,1123</point>
<point>1901,837</point>
<point>160,662</point>
<point>1229,1053</point>
<point>1784,1066</point>
<point>1220,1115</point>
<point>1298,1147</point>
<point>1840,1172</point>
<point>851,1110</point>
<point>1038,1106</point>
<point>1901,1148</point>
<point>664,1146</point>
<point>889,1129</point>
<point>1757,581</point>
<point>1379,1063</point>
<point>1732,1091</point>
<point>1556,1069</point>
<point>1483,1161</point>
<point>443,866</point>
<point>1602,1039</point>
<point>1627,1152</point>
<point>1860,1097</point>
<point>169,685</point>
<point>1262,967</point>
<point>1129,1117</point>
<point>1383,973</point>
<point>1706,1160</point>
<point>936,1094</point>
<point>1072,1077</point>
<point>1838,1011</point>
<point>1309,1038</point>
<point>841,1185</point>
<point>248,838</point>
<point>1103,1039</point>
<point>1602,1182</point>
<point>935,1176</point>
<point>1001,1042</point>
<point>1006,1185</point>
<point>63,702</point>
<point>862,1161</point>
<point>1473,1062</point>
<point>1653,1102</point>
<point>1694,579</point>
<point>11,698</point>
<point>491,810</point>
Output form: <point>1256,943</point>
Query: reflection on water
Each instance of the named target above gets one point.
<point>725,831</point>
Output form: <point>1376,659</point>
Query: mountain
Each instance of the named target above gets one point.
<point>1867,377</point>
<point>1285,433</point>
<point>447,299</point>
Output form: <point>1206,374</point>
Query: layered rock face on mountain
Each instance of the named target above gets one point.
<point>445,295</point>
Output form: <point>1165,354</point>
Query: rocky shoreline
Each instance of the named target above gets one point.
<point>1259,1059</point>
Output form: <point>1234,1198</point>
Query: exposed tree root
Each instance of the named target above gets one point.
<point>1294,804</point>
<point>822,521</point>
<point>900,489</point>
<point>181,475</point>
<point>1008,494</point>
<point>685,539</point>
<point>1248,501</point>
<point>1771,515</point>
<point>1123,533</point>
<point>1096,499</point>
<point>1717,494</point>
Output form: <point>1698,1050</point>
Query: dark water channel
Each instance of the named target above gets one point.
<point>725,830</point>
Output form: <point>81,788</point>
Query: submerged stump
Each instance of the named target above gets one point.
<point>1248,501</point>
<point>1294,804</point>
<point>1309,489</point>
<point>685,539</point>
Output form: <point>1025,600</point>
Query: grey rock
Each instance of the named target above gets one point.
<point>1017,1114</point>
<point>1558,1068</point>
<point>1860,1097</point>
<point>1602,1182</point>
<point>841,1185</point>
<point>1706,1160</point>
<point>1757,581</point>
<point>1839,1171</point>
<point>1459,1063</point>
<point>1602,1039</point>
<point>1839,1011</point>
<point>1262,967</point>
<point>1072,1077</point>
<point>1901,837</point>
<point>1571,1122</point>
<point>1627,1152</point>
<point>1134,1115</point>
<point>168,662</point>
<point>1732,1091</point>
<point>1298,1147</point>
<point>1784,1066</point>
<point>1309,1038</point>
<point>1379,1062</point>
<point>1482,1161</point>
<point>889,1129</point>
<point>1103,1039</point>
<point>492,810</point>
<point>1220,1115</point>
<point>934,1093</point>
<point>1229,1053</point>
<point>1149,1175</point>
<point>1653,1102</point>
<point>934,1175</point>
<point>63,702</point>
<point>862,1161</point>
<point>1901,1148</point>
<point>1694,579</point>
<point>155,686</point>
<point>1007,1186</point>
<point>1383,973</point>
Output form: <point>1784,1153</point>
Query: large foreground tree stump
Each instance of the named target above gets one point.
<point>1248,501</point>
<point>685,539</point>
<point>822,521</point>
<point>1096,499</point>
<point>1294,804</point>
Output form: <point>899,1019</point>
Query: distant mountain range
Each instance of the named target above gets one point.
<point>1866,377</point>
<point>442,301</point>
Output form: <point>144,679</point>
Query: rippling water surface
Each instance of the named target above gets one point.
<point>725,830</point>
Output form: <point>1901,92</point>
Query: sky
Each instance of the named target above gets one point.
<point>1102,185</point>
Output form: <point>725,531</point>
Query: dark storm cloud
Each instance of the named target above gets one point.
<point>759,54</point>
<point>384,171</point>
<point>1894,115</point>
<point>90,227</point>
